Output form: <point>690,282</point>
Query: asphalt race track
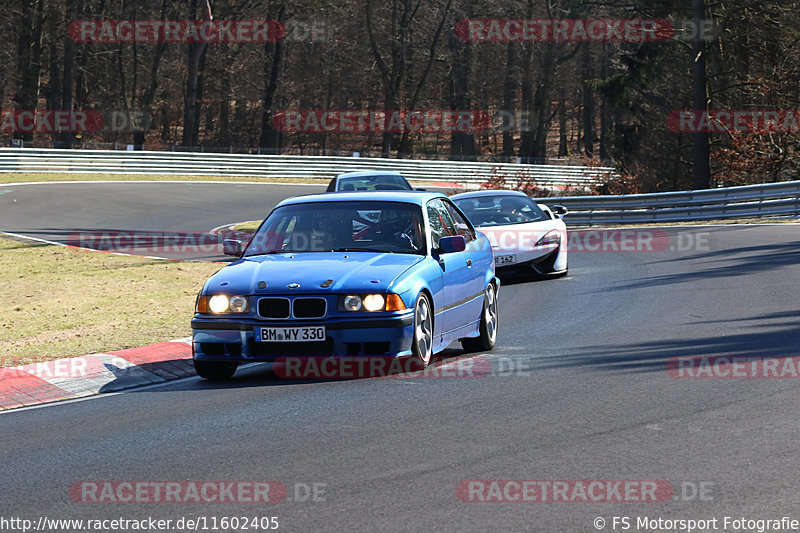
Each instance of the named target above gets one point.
<point>578,389</point>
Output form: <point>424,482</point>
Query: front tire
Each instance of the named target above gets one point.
<point>422,343</point>
<point>215,371</point>
<point>488,327</point>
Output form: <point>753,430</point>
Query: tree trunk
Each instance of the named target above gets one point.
<point>563,147</point>
<point>588,102</point>
<point>29,59</point>
<point>701,168</point>
<point>191,105</point>
<point>605,113</point>
<point>273,54</point>
<point>509,95</point>
<point>462,143</point>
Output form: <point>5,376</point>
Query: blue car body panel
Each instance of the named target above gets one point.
<point>455,282</point>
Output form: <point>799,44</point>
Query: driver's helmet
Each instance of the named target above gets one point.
<point>395,220</point>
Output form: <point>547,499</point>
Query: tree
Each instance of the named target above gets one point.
<point>192,102</point>
<point>701,169</point>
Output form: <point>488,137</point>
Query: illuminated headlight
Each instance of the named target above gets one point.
<point>352,302</point>
<point>218,303</point>
<point>374,302</point>
<point>371,302</point>
<point>222,303</point>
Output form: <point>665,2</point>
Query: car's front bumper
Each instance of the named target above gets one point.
<point>535,254</point>
<point>233,340</point>
<point>541,260</point>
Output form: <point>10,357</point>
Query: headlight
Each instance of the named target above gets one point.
<point>222,303</point>
<point>371,302</point>
<point>238,304</point>
<point>352,302</point>
<point>552,237</point>
<point>218,303</point>
<point>374,302</point>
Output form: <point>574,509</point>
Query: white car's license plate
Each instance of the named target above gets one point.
<point>288,334</point>
<point>504,259</point>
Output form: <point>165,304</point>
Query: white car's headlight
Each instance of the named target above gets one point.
<point>552,237</point>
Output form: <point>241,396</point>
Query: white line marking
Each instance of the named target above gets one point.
<point>54,243</point>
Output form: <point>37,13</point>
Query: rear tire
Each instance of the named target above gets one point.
<point>488,327</point>
<point>215,371</point>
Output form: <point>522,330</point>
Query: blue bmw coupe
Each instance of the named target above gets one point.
<point>393,274</point>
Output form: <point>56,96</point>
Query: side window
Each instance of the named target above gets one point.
<point>437,227</point>
<point>461,224</point>
<point>442,224</point>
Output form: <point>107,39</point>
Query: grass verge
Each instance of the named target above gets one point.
<point>63,302</point>
<point>247,227</point>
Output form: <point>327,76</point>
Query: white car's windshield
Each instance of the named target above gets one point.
<point>500,210</point>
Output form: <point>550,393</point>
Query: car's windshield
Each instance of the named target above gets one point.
<point>500,210</point>
<point>341,226</point>
<point>379,182</point>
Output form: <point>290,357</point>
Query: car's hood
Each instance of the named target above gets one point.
<point>347,271</point>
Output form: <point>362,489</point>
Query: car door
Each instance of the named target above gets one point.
<point>456,272</point>
<point>478,261</point>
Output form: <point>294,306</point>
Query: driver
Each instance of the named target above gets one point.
<point>403,228</point>
<point>512,210</point>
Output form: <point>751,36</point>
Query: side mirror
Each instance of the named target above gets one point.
<point>420,189</point>
<point>232,247</point>
<point>559,210</point>
<point>456,243</point>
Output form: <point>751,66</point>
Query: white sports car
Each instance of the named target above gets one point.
<point>526,237</point>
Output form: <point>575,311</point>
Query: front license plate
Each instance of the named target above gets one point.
<point>504,259</point>
<point>304,334</point>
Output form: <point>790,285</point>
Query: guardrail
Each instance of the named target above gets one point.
<point>281,166</point>
<point>749,201</point>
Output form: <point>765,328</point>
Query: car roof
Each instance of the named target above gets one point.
<point>484,194</point>
<point>365,173</point>
<point>411,197</point>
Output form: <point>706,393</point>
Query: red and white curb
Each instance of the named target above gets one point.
<point>76,377</point>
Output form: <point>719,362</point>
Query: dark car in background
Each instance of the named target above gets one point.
<point>369,180</point>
